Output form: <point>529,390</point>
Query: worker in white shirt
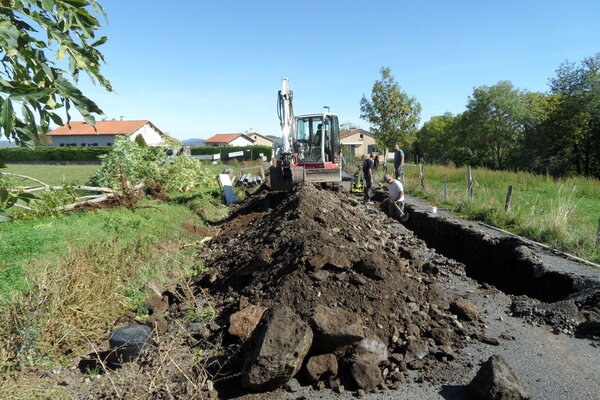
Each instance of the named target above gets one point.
<point>396,196</point>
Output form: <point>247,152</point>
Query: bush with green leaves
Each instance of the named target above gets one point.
<point>139,164</point>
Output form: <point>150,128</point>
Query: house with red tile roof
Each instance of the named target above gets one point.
<point>82,134</point>
<point>238,139</point>
<point>358,142</point>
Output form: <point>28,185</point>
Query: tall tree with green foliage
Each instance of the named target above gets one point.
<point>578,114</point>
<point>44,45</point>
<point>494,123</point>
<point>392,114</point>
<point>435,139</point>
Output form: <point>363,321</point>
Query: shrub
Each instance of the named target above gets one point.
<point>150,164</point>
<point>24,154</point>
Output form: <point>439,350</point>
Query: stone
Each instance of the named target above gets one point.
<point>334,328</point>
<point>243,322</point>
<point>415,365</point>
<point>495,380</point>
<point>464,310</point>
<point>366,375</point>
<point>372,267</point>
<point>441,336</point>
<point>277,349</point>
<point>372,351</point>
<point>396,376</point>
<point>156,304</point>
<point>486,339</point>
<point>445,352</point>
<point>415,350</point>
<point>292,385</point>
<point>321,367</point>
<point>159,324</point>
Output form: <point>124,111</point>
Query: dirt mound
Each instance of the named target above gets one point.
<point>366,286</point>
<point>315,247</point>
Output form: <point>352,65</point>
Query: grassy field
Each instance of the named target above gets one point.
<point>54,174</point>
<point>67,275</point>
<point>562,213</point>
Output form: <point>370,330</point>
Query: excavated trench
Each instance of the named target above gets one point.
<point>505,262</point>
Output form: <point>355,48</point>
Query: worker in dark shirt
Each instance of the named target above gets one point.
<point>368,170</point>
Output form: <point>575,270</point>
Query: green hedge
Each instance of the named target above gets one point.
<point>12,154</point>
<point>250,152</point>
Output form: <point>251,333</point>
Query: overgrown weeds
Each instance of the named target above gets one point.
<point>81,296</point>
<point>560,213</point>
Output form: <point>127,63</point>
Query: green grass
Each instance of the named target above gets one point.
<point>562,213</point>
<point>53,174</point>
<point>51,237</point>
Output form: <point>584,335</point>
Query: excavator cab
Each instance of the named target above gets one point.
<point>317,138</point>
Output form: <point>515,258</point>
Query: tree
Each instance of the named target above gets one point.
<point>578,113</point>
<point>434,139</point>
<point>33,86</point>
<point>494,122</point>
<point>540,149</point>
<point>392,114</point>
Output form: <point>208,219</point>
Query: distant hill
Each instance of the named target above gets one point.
<point>276,139</point>
<point>193,142</point>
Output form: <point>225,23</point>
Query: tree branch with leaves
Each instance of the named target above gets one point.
<point>38,38</point>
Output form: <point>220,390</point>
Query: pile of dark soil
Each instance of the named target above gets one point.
<point>311,249</point>
<point>315,247</point>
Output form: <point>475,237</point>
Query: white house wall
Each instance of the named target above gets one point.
<point>83,140</point>
<point>151,136</point>
<point>240,141</point>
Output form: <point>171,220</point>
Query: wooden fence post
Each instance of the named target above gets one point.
<point>422,174</point>
<point>470,182</point>
<point>445,188</point>
<point>508,198</point>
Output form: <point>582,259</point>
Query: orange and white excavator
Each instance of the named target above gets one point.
<point>310,149</point>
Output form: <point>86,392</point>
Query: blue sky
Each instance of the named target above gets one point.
<point>196,68</point>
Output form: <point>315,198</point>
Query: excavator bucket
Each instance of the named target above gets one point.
<point>285,180</point>
<point>322,175</point>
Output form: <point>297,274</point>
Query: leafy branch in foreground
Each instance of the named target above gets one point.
<point>32,86</point>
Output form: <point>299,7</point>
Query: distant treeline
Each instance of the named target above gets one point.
<point>504,127</point>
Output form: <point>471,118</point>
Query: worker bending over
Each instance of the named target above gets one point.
<point>396,196</point>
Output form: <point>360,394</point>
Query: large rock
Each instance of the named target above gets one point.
<point>278,346</point>
<point>371,350</point>
<point>321,367</point>
<point>465,310</point>
<point>243,322</point>
<point>335,328</point>
<point>496,381</point>
<point>366,375</point>
<point>367,356</point>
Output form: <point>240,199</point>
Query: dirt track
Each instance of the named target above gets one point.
<point>315,247</point>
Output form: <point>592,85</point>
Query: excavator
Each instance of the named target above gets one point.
<point>310,150</point>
